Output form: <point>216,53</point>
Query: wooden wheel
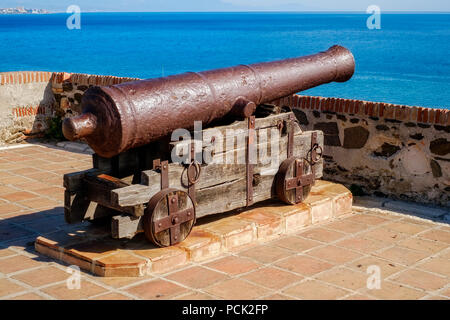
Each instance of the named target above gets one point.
<point>294,180</point>
<point>169,217</point>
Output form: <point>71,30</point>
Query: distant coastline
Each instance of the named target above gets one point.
<point>22,10</point>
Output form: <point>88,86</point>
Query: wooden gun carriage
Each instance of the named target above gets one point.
<point>144,180</point>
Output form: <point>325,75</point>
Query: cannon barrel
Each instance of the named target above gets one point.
<point>123,116</point>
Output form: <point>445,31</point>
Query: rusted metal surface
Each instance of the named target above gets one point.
<point>172,222</point>
<point>249,160</point>
<point>296,183</point>
<point>123,116</point>
<point>299,179</point>
<point>316,150</point>
<point>193,173</point>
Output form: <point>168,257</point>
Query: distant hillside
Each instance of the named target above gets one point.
<point>22,10</point>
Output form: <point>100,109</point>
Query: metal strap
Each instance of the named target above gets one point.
<point>191,184</point>
<point>250,154</point>
<point>313,148</point>
<point>164,167</point>
<point>290,146</point>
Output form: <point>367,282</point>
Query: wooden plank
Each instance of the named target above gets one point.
<point>99,189</point>
<point>126,227</point>
<point>73,182</point>
<point>236,129</point>
<point>212,174</point>
<point>77,208</point>
<point>133,195</point>
<point>217,173</point>
<point>76,205</point>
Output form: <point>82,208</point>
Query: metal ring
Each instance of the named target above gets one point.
<point>318,154</point>
<point>198,170</point>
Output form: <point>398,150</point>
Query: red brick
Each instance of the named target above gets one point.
<point>197,277</point>
<point>437,114</point>
<point>425,115</point>
<point>444,117</point>
<point>272,278</point>
<point>156,289</point>
<point>309,103</point>
<point>431,113</point>
<point>233,265</point>
<point>164,259</point>
<point>268,224</point>
<point>321,208</point>
<point>201,245</point>
<point>317,103</point>
<point>237,289</point>
<point>349,106</point>
<point>296,101</point>
<point>304,265</point>
<point>342,105</point>
<point>381,110</point>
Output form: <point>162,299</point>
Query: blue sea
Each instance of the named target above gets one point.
<point>407,61</point>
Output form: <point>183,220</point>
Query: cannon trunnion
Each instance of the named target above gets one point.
<point>150,174</point>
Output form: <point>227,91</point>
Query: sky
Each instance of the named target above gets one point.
<point>232,5</point>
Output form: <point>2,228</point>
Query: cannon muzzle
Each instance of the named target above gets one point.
<point>128,115</point>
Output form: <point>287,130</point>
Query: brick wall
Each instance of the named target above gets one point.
<point>381,148</point>
<point>26,101</point>
<point>29,99</point>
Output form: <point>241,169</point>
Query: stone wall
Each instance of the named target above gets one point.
<point>68,89</point>
<point>26,100</point>
<point>30,99</point>
<point>379,148</point>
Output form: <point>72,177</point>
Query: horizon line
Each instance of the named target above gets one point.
<point>266,11</point>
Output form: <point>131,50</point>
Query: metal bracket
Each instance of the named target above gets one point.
<point>163,166</point>
<point>316,154</point>
<point>193,173</point>
<point>250,154</point>
<point>290,128</point>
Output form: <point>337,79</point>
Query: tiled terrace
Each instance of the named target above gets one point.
<point>325,261</point>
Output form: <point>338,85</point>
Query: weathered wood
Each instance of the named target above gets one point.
<point>77,208</point>
<point>171,233</point>
<point>133,161</point>
<point>73,182</point>
<point>125,226</point>
<point>132,195</point>
<point>218,181</point>
<point>212,174</point>
<point>222,134</point>
<point>99,189</point>
<point>76,205</point>
<point>217,172</point>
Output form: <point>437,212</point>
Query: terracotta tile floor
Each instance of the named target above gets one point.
<point>328,261</point>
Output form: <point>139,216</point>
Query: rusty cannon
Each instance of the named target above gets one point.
<point>124,116</point>
<point>145,180</point>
